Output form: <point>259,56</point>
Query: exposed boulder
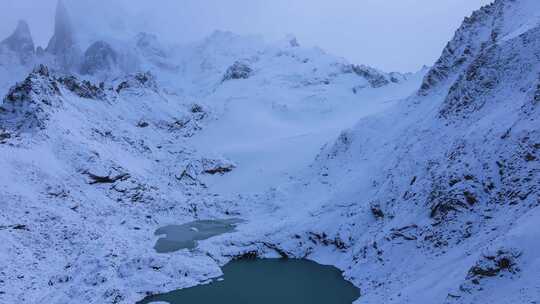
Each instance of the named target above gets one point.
<point>20,43</point>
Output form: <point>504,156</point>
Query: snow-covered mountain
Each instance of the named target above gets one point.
<point>436,200</point>
<point>430,195</point>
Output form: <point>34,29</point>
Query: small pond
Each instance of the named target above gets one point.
<point>271,281</point>
<point>176,237</point>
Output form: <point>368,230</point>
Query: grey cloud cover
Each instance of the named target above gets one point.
<point>392,35</point>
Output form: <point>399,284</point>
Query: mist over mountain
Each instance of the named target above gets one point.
<point>420,187</point>
<point>380,27</point>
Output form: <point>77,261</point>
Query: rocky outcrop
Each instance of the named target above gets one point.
<point>239,70</point>
<point>137,81</point>
<point>375,78</point>
<point>83,89</point>
<point>483,29</point>
<point>28,105</point>
<point>193,170</point>
<point>493,73</point>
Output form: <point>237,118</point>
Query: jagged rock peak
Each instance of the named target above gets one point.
<point>63,38</point>
<point>20,42</point>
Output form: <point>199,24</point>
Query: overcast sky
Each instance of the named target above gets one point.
<point>394,35</point>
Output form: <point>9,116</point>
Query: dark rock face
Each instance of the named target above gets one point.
<point>20,42</point>
<point>83,89</point>
<point>502,261</point>
<point>492,74</point>
<point>194,169</point>
<point>239,70</point>
<point>470,39</point>
<point>376,79</point>
<point>100,56</point>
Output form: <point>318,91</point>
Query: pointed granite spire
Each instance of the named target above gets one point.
<point>63,38</point>
<point>20,42</point>
<point>63,45</point>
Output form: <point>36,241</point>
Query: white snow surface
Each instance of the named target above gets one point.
<point>421,189</point>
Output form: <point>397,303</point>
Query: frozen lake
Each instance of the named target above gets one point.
<point>177,237</point>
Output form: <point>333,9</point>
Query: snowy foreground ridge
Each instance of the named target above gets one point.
<point>430,195</point>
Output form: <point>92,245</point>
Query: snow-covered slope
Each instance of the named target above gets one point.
<point>102,147</point>
<point>432,197</point>
<point>434,200</point>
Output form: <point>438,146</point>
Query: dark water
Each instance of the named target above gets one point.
<point>269,282</point>
<point>185,236</point>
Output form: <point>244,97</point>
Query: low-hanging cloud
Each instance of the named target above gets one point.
<point>392,35</point>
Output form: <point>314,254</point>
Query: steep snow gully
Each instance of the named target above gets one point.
<point>421,187</point>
